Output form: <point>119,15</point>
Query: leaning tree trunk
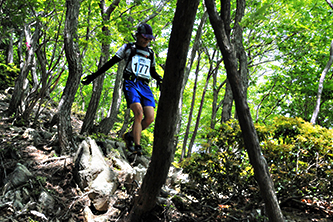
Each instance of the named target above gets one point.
<point>74,60</point>
<point>107,123</point>
<point>196,127</point>
<point>10,50</point>
<point>88,121</point>
<point>322,78</point>
<point>227,103</point>
<point>250,136</point>
<point>216,90</point>
<point>190,116</point>
<point>321,86</point>
<point>15,105</point>
<point>195,48</point>
<point>163,151</point>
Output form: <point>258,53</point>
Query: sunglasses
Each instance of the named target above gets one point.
<point>146,38</point>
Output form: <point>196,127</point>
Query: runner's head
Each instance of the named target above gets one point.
<point>145,31</point>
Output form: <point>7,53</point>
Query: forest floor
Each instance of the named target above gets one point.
<point>67,191</point>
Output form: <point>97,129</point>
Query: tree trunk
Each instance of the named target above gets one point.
<point>127,120</point>
<point>227,104</point>
<point>216,105</point>
<point>107,124</point>
<point>74,60</point>
<point>187,132</point>
<point>163,151</point>
<point>257,160</point>
<point>21,84</point>
<point>195,131</point>
<point>321,86</point>
<point>10,51</point>
<point>216,90</point>
<point>88,121</point>
<point>35,95</point>
<point>195,48</point>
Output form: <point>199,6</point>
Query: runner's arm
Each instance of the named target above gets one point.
<point>88,79</point>
<point>106,66</point>
<point>156,76</point>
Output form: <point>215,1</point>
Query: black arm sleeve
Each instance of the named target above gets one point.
<point>154,74</point>
<point>106,66</point>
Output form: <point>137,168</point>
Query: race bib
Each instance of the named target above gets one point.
<point>141,66</point>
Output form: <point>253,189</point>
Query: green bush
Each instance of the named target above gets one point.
<point>8,74</point>
<point>299,156</point>
<point>218,176</point>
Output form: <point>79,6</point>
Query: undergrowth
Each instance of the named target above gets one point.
<point>299,156</point>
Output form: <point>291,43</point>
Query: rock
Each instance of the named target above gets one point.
<point>46,135</point>
<point>90,217</point>
<point>112,146</point>
<point>39,215</point>
<point>103,187</point>
<point>18,202</point>
<point>25,194</point>
<point>93,174</point>
<point>143,161</point>
<point>134,179</point>
<point>139,173</point>
<point>46,202</point>
<point>87,214</point>
<point>17,178</point>
<point>29,134</point>
<point>124,168</point>
<point>176,176</point>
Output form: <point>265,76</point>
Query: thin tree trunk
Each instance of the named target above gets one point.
<point>20,50</point>
<point>107,124</point>
<point>321,86</point>
<point>250,136</point>
<point>227,103</point>
<point>127,118</point>
<point>329,3</point>
<point>74,60</point>
<point>189,121</point>
<point>10,51</point>
<point>195,131</point>
<point>228,96</point>
<point>216,91</point>
<point>215,106</point>
<point>36,95</point>
<point>196,45</point>
<point>321,80</point>
<point>21,83</point>
<point>163,151</point>
<point>88,122</point>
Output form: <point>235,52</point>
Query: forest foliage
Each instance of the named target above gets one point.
<point>299,155</point>
<point>287,45</point>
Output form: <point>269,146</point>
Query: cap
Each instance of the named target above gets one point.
<point>146,31</point>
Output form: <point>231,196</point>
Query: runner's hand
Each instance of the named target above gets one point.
<point>159,82</point>
<point>87,80</point>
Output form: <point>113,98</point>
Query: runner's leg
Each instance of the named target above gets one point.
<point>137,127</point>
<point>141,123</point>
<point>148,112</point>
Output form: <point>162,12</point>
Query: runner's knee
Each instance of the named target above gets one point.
<point>137,111</point>
<point>138,115</point>
<point>149,119</point>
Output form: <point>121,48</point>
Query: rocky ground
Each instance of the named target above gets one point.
<point>37,184</point>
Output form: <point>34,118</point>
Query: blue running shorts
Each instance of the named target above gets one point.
<point>138,92</point>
